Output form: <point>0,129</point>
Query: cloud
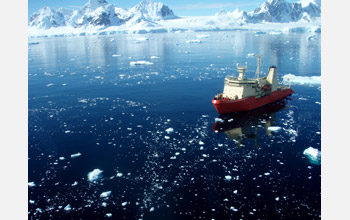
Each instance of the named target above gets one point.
<point>212,5</point>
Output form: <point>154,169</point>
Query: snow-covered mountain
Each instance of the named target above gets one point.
<point>98,16</point>
<point>101,13</point>
<point>283,11</point>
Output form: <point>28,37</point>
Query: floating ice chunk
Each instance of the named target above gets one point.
<point>277,198</point>
<point>119,174</point>
<point>142,39</point>
<point>193,41</point>
<point>141,62</point>
<point>201,143</point>
<point>61,158</point>
<point>108,215</point>
<point>219,120</point>
<point>75,183</point>
<point>250,55</point>
<point>116,55</point>
<point>124,203</point>
<point>228,178</point>
<point>75,155</point>
<point>67,131</point>
<point>203,36</point>
<point>313,154</point>
<point>50,84</point>
<point>233,209</point>
<point>31,184</point>
<point>230,120</point>
<point>31,201</point>
<point>169,130</point>
<point>302,79</point>
<point>235,192</point>
<point>105,194</point>
<point>67,208</point>
<point>154,57</point>
<point>94,175</point>
<point>167,137</point>
<point>151,209</point>
<point>267,174</point>
<point>274,128</point>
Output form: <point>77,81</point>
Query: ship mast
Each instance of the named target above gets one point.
<point>258,64</point>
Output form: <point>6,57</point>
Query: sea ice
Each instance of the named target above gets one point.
<point>108,215</point>
<point>31,184</point>
<point>274,128</point>
<point>202,36</point>
<point>219,120</point>
<point>94,175</point>
<point>228,178</point>
<point>193,41</point>
<point>154,57</point>
<point>169,130</point>
<point>124,203</point>
<point>105,194</point>
<point>67,208</point>
<point>141,62</point>
<point>233,209</point>
<point>75,155</point>
<point>312,153</point>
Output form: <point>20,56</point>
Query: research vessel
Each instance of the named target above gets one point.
<point>241,94</point>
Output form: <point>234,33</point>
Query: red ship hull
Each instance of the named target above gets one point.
<point>249,103</point>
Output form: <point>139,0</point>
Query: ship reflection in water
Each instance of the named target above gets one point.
<point>245,125</point>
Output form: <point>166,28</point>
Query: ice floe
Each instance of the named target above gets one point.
<point>75,155</point>
<point>94,175</point>
<point>105,194</point>
<point>313,154</point>
<point>228,178</point>
<point>193,41</point>
<point>31,184</point>
<point>141,62</point>
<point>315,80</point>
<point>67,208</point>
<point>169,130</point>
<point>274,128</point>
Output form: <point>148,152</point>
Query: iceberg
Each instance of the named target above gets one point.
<point>313,154</point>
<point>94,175</point>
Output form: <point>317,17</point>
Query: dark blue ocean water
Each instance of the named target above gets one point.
<point>85,97</point>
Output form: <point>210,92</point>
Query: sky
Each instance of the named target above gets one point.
<point>179,7</point>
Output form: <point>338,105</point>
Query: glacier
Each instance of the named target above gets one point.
<point>98,17</point>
